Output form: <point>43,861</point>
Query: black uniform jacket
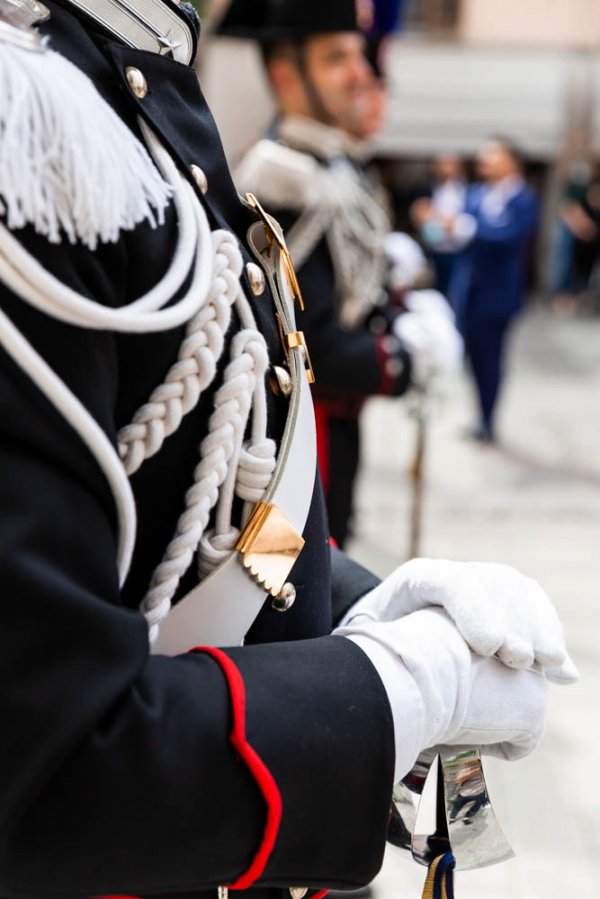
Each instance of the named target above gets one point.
<point>349,362</point>
<point>118,774</point>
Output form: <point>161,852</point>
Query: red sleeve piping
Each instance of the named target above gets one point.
<point>263,777</point>
<point>387,382</point>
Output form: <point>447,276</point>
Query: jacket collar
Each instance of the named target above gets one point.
<point>157,26</point>
<point>322,141</point>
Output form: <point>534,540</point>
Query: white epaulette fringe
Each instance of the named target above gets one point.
<point>236,458</point>
<point>69,166</point>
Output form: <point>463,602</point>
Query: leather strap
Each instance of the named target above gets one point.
<point>221,609</point>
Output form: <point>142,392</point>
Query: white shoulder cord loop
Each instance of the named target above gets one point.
<point>29,280</point>
<point>227,466</point>
<point>216,473</point>
<point>67,404</point>
<point>196,364</point>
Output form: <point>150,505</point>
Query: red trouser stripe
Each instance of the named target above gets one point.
<point>322,424</point>
<point>258,769</point>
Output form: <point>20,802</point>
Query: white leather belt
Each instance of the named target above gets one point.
<point>221,609</point>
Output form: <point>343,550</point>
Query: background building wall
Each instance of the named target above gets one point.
<point>574,23</point>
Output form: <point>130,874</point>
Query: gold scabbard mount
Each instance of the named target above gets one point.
<point>274,233</point>
<point>269,546</point>
<point>297,339</point>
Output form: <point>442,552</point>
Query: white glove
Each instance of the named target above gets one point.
<point>497,610</point>
<point>406,258</point>
<point>427,331</point>
<point>465,700</point>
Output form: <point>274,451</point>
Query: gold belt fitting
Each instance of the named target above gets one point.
<point>274,233</point>
<point>297,339</point>
<point>269,546</point>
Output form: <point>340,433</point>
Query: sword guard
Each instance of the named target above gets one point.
<point>465,822</point>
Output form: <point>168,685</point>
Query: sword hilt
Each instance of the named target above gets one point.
<point>465,822</point>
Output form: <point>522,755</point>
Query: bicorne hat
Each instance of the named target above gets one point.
<point>267,21</point>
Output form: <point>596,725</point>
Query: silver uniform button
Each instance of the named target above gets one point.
<point>256,277</point>
<point>281,381</point>
<point>200,178</point>
<point>298,892</point>
<point>137,82</point>
<point>284,600</point>
<point>394,367</point>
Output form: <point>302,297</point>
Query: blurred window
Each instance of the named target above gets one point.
<point>432,16</point>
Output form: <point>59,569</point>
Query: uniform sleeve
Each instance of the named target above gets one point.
<point>355,360</point>
<point>120,774</point>
<point>349,582</point>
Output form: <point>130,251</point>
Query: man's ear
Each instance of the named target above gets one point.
<point>283,75</point>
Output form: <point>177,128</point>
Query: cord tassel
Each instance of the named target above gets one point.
<point>440,878</point>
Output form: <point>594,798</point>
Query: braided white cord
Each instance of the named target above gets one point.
<point>26,277</point>
<point>196,365</point>
<point>248,479</point>
<point>307,231</point>
<point>355,224</point>
<point>213,285</point>
<point>219,451</point>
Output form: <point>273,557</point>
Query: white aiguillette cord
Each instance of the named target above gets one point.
<point>223,607</point>
<point>28,279</point>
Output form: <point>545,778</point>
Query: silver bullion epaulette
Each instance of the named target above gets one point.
<point>22,14</point>
<point>284,178</point>
<point>48,107</point>
<point>149,25</point>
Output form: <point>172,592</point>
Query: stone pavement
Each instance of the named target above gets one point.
<point>533,501</point>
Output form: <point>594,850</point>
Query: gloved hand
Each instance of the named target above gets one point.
<point>465,700</point>
<point>497,610</point>
<point>406,258</point>
<point>427,331</point>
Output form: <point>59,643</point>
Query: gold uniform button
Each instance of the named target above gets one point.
<point>200,178</point>
<point>256,277</point>
<point>137,82</point>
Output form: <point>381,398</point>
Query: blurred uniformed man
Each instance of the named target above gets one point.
<point>311,170</point>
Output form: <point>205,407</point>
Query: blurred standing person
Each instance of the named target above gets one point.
<point>310,171</point>
<point>434,215</point>
<point>572,226</point>
<point>581,216</point>
<point>489,282</point>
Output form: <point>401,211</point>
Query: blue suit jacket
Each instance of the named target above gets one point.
<point>490,276</point>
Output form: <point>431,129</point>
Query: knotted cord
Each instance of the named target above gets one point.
<point>229,466</point>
